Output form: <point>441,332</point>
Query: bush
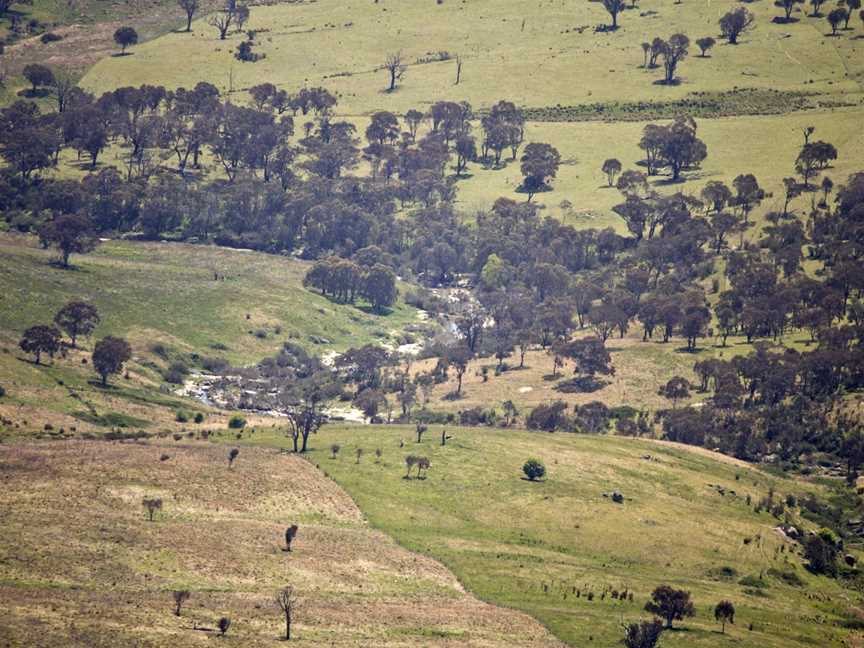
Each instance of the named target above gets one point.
<point>199,417</point>
<point>549,417</point>
<point>50,38</point>
<point>534,469</point>
<point>182,417</point>
<point>237,422</point>
<point>2,391</point>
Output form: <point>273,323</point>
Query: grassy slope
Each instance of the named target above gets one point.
<point>506,538</point>
<point>545,64</point>
<point>81,566</point>
<point>165,293</point>
<point>340,45</point>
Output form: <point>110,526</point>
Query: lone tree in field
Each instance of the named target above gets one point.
<point>817,4</point>
<point>152,504</point>
<point>704,44</point>
<point>287,601</point>
<point>534,469</point>
<point>224,623</point>
<point>190,7</point>
<point>724,612</point>
<point>223,19</point>
<point>124,37</point>
<point>540,164</point>
<point>40,339</point>
<point>38,75</point>
<point>837,16</point>
<point>180,597</point>
<point>69,233</point>
<point>232,455</point>
<point>109,356</point>
<point>395,68</point>
<point>673,52</point>
<point>614,7</point>
<point>611,168</point>
<point>734,23</point>
<point>290,534</point>
<point>334,450</point>
<point>76,319</point>
<point>642,635</point>
<point>670,604</point>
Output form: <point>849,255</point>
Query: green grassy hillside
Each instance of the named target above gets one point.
<point>540,55</point>
<point>542,547</point>
<point>82,566</point>
<point>163,298</point>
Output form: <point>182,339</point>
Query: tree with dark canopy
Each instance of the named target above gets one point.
<point>40,339</point>
<point>124,37</point>
<point>645,634</point>
<point>704,44</point>
<point>675,390</point>
<point>670,604</point>
<point>534,469</point>
<point>109,356</point>
<point>724,612</point>
<point>835,17</point>
<point>38,75</point>
<point>611,167</point>
<point>540,163</point>
<point>614,7</point>
<point>734,23</point>
<point>673,52</point>
<point>70,233</point>
<point>77,318</point>
<point>291,532</point>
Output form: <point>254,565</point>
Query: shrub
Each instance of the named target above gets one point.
<point>2,391</point>
<point>236,422</point>
<point>549,417</point>
<point>50,38</point>
<point>534,469</point>
<point>181,417</point>
<point>224,624</point>
<point>199,417</point>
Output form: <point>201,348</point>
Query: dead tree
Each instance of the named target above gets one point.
<point>395,67</point>
<point>287,601</point>
<point>180,597</point>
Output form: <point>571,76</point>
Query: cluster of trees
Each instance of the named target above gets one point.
<point>670,605</point>
<point>77,319</point>
<point>363,275</point>
<point>193,167</point>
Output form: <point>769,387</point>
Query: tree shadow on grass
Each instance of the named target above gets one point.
<point>38,93</point>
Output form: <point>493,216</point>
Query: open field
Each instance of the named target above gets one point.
<point>543,56</point>
<point>80,565</point>
<point>534,546</point>
<point>763,145</point>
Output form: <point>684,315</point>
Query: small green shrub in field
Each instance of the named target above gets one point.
<point>237,422</point>
<point>199,417</point>
<point>534,469</point>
